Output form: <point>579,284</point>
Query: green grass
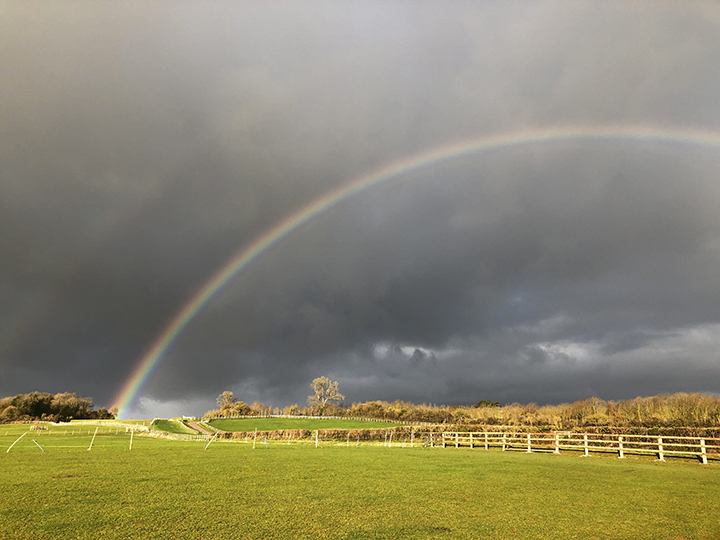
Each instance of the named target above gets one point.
<point>173,426</point>
<point>270,424</point>
<point>171,489</point>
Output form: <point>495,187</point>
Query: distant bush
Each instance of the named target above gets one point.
<point>667,411</point>
<point>48,407</point>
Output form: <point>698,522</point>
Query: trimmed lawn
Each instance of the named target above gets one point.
<point>171,489</point>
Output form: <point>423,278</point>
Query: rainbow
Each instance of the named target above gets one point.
<point>633,133</point>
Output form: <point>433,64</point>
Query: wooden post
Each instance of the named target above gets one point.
<point>621,455</point>
<point>132,432</point>
<point>703,454</point>
<point>557,444</point>
<point>288,443</point>
<point>660,450</point>
<point>586,445</point>
<point>16,440</point>
<point>92,440</point>
<point>254,438</point>
<point>390,442</point>
<point>486,441</point>
<point>316,438</point>
<point>412,437</point>
<point>529,450</point>
<point>443,436</point>
<point>432,440</point>
<point>213,438</point>
<point>471,440</point>
<point>457,440</point>
<point>504,441</point>
<point>266,446</point>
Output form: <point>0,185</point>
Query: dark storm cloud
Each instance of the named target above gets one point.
<point>143,145</point>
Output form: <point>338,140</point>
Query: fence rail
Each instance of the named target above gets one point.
<point>702,448</point>
<point>135,426</point>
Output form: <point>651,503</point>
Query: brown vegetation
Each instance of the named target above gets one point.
<point>48,407</point>
<point>667,411</point>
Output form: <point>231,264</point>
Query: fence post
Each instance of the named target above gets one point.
<point>471,441</point>
<point>621,455</point>
<point>412,437</point>
<point>504,440</point>
<point>557,444</point>
<point>660,450</point>
<point>316,437</point>
<point>486,441</point>
<point>457,440</point>
<point>432,440</point>
<point>443,437</point>
<point>703,454</point>
<point>529,450</point>
<point>93,439</point>
<point>585,443</point>
<point>13,444</point>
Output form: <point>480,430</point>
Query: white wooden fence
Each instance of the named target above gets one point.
<point>702,448</point>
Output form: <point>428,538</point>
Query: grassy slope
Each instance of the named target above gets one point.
<point>269,424</point>
<point>161,490</point>
<point>171,426</point>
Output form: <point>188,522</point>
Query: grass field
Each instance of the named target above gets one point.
<point>270,424</point>
<point>172,426</point>
<point>170,489</point>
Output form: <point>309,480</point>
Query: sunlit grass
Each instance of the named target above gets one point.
<point>172,426</point>
<point>171,489</point>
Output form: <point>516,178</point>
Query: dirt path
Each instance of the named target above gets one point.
<point>201,429</point>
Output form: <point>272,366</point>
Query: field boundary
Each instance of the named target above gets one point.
<point>297,416</point>
<point>114,423</point>
<point>621,444</point>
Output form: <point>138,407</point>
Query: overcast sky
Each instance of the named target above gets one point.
<point>144,144</point>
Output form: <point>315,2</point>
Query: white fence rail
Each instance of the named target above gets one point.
<point>135,426</point>
<point>702,448</point>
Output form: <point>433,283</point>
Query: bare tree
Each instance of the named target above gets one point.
<point>226,400</point>
<point>326,391</point>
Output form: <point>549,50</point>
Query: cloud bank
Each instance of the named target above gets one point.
<point>143,146</point>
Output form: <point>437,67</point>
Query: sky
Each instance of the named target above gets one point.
<point>144,145</point>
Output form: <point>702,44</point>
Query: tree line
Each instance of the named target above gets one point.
<point>49,407</point>
<point>670,410</point>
